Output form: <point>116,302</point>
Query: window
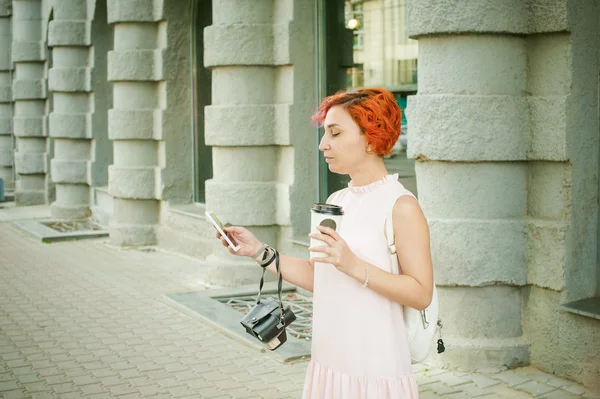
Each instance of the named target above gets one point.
<point>372,50</point>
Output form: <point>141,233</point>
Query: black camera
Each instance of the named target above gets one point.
<point>265,323</point>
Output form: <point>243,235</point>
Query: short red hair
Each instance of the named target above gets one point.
<point>375,111</point>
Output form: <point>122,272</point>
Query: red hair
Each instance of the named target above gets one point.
<point>375,111</point>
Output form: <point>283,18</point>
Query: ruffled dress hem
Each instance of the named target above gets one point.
<point>325,383</point>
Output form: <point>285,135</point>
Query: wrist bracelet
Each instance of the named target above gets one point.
<point>260,251</point>
<point>366,283</point>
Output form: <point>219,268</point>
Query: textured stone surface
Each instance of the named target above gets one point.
<point>29,94</point>
<point>6,140</point>
<point>556,338</point>
<point>135,11</point>
<point>494,130</point>
<point>445,188</point>
<point>133,182</point>
<point>455,16</point>
<point>260,204</point>
<point>247,44</point>
<point>142,65</point>
<point>478,252</point>
<point>134,124</point>
<point>69,33</point>
<point>247,125</point>
<point>471,65</point>
<point>135,65</point>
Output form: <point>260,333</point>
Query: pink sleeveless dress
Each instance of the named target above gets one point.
<point>359,344</point>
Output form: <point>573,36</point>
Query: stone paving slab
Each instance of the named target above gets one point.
<point>83,319</point>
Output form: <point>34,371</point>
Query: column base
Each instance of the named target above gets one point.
<point>72,212</point>
<point>231,271</point>
<point>131,235</point>
<point>483,354</point>
<point>28,198</point>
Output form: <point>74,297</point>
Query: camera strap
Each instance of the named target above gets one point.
<point>279,286</point>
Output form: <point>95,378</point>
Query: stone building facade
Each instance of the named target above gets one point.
<point>141,114</point>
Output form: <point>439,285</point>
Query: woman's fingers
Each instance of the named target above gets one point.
<point>322,248</point>
<point>322,237</point>
<point>329,232</point>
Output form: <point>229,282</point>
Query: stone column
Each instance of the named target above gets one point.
<point>6,139</point>
<point>135,122</point>
<point>469,131</point>
<point>29,95</point>
<point>248,123</point>
<point>69,122</point>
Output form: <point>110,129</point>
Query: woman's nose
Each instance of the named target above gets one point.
<point>323,145</point>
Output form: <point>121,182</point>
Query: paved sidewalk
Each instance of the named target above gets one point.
<point>81,319</point>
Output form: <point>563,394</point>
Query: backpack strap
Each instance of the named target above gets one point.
<point>389,233</point>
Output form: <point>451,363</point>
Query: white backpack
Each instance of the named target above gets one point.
<point>421,326</point>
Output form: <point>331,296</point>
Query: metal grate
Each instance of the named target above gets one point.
<point>301,306</point>
<point>69,226</point>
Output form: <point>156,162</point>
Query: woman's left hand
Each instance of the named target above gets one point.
<point>338,253</point>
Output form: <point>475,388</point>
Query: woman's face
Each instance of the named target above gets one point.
<point>343,145</point>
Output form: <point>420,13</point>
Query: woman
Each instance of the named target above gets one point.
<point>359,346</point>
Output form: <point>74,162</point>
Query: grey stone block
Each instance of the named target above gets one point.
<point>71,126</point>
<point>30,197</point>
<point>134,182</point>
<point>132,235</point>
<point>135,65</point>
<point>548,117</point>
<point>480,16</point>
<point>135,11</point>
<point>66,171</point>
<point>69,33</point>
<point>29,89</point>
<point>28,51</point>
<point>28,126</point>
<point>479,252</point>
<point>69,79</point>
<point>134,124</point>
<point>476,128</point>
<point>260,206</point>
<point>247,125</point>
<point>28,163</point>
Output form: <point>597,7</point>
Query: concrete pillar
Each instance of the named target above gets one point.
<point>69,122</point>
<point>29,94</point>
<point>470,131</point>
<point>135,67</point>
<point>6,139</point>
<point>257,109</point>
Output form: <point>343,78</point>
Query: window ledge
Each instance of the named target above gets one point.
<point>589,307</point>
<point>300,240</point>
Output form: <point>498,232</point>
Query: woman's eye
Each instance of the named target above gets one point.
<point>335,134</point>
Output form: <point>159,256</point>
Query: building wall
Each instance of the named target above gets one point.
<point>508,103</point>
<point>6,138</point>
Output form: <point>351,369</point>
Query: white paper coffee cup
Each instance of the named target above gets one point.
<point>328,215</point>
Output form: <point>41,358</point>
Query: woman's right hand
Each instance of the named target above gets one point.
<point>248,243</point>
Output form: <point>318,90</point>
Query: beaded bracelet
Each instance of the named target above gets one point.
<point>366,283</point>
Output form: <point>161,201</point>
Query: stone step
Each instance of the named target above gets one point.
<point>185,230</point>
<point>190,219</point>
<point>102,207</point>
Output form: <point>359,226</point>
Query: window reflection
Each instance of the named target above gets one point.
<point>384,56</point>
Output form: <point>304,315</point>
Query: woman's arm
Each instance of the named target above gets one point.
<point>296,271</point>
<point>299,272</point>
<point>414,287</point>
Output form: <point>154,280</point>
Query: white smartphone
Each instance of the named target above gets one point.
<point>220,228</point>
